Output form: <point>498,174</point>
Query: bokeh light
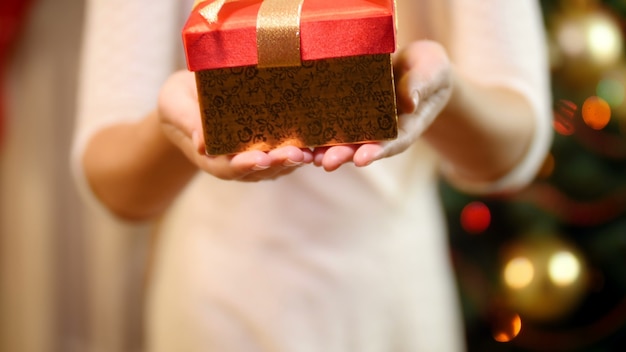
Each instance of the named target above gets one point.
<point>564,268</point>
<point>604,38</point>
<point>612,91</point>
<point>506,327</point>
<point>564,114</point>
<point>596,36</point>
<point>596,112</point>
<point>475,217</point>
<point>519,272</point>
<point>571,38</point>
<point>585,44</point>
<point>543,276</point>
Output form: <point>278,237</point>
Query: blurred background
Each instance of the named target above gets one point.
<point>540,270</point>
<point>70,278</point>
<point>545,269</point>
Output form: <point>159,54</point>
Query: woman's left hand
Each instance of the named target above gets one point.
<point>423,88</point>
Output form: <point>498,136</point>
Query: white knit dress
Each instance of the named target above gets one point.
<point>353,260</point>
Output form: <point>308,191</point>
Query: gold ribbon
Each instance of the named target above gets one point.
<point>277,30</point>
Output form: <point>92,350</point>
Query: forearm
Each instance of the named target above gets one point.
<point>483,132</point>
<point>134,170</point>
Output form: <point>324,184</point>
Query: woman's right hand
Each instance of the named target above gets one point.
<point>181,122</point>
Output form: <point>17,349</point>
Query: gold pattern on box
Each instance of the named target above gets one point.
<point>323,102</point>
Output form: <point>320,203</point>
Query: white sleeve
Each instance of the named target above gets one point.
<point>129,49</point>
<point>502,43</point>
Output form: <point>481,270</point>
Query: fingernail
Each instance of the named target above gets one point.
<point>290,162</point>
<point>258,167</point>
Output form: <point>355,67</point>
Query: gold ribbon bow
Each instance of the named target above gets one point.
<point>277,30</point>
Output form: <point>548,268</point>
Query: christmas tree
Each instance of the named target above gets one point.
<point>545,269</point>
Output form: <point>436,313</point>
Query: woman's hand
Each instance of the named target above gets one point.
<point>182,124</point>
<point>423,88</point>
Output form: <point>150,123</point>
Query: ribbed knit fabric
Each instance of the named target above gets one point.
<point>354,260</point>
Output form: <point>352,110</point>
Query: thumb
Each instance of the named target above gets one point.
<point>428,94</point>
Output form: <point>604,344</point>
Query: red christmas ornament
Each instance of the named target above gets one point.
<point>475,217</point>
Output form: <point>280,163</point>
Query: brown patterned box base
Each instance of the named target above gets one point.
<point>323,102</point>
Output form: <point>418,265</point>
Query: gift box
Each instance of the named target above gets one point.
<point>292,72</point>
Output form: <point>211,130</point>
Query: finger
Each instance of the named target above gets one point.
<point>234,167</point>
<point>308,155</point>
<point>197,142</point>
<point>250,161</point>
<point>338,155</point>
<point>422,70</point>
<point>283,161</point>
<point>287,156</point>
<point>367,153</point>
<point>404,69</point>
<point>318,155</point>
<point>178,106</point>
<point>408,95</point>
<point>269,174</point>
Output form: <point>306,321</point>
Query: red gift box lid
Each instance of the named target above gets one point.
<point>328,29</point>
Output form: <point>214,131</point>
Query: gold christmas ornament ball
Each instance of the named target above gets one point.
<point>543,277</point>
<point>584,41</point>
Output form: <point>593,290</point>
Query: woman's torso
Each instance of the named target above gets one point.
<point>352,260</point>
